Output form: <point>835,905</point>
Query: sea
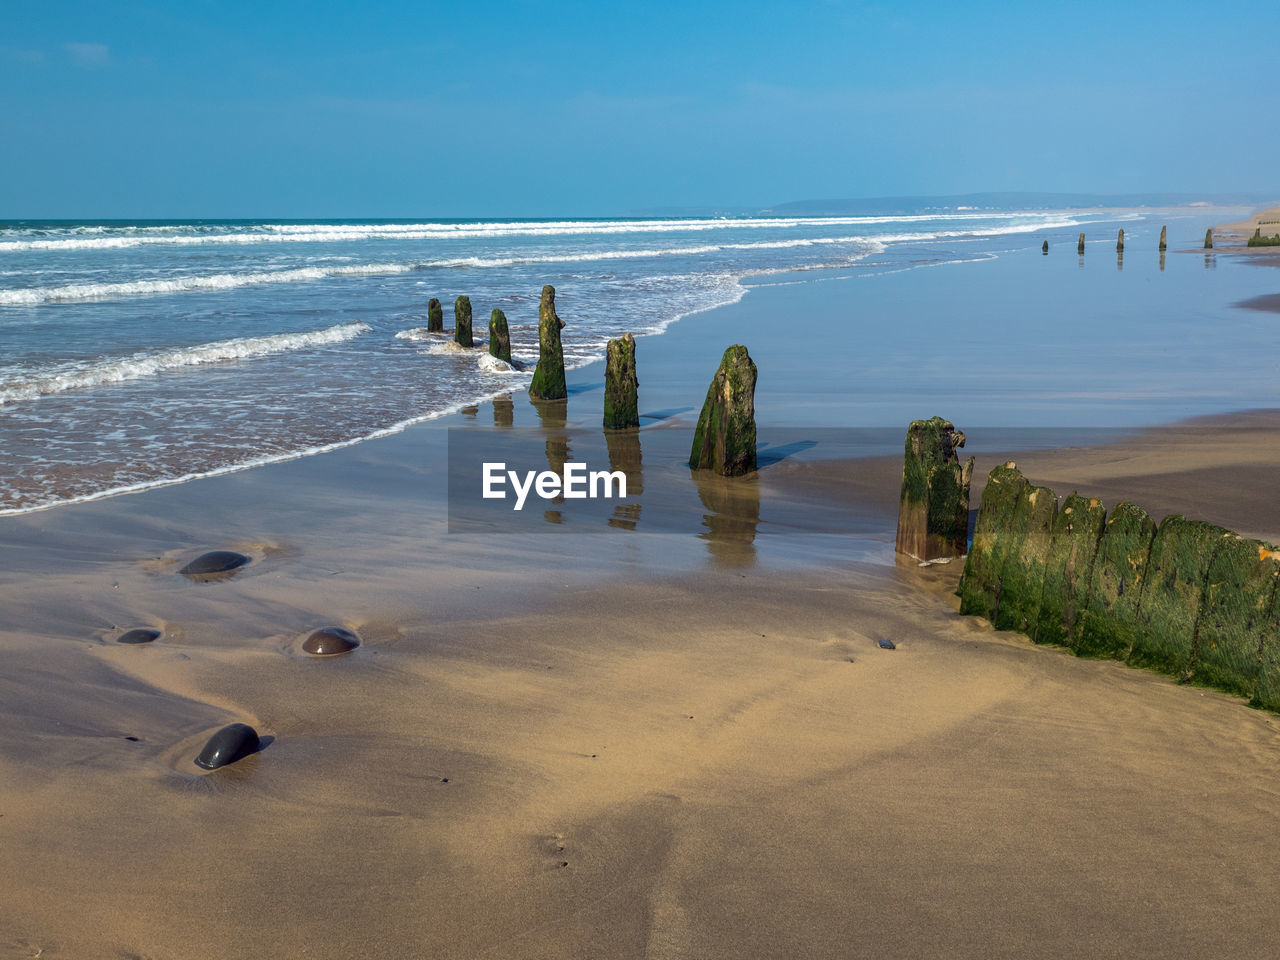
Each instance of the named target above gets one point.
<point>136,354</point>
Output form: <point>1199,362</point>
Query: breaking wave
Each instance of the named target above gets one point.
<point>76,375</point>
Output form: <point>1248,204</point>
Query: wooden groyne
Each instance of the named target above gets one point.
<point>1185,598</point>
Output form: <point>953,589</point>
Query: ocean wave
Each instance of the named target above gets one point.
<point>418,333</point>
<point>73,376</point>
<point>229,281</point>
<point>99,238</point>
<point>218,281</point>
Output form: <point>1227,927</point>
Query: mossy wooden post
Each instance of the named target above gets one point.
<point>499,336</point>
<point>1028,538</point>
<point>1267,692</point>
<point>462,322</point>
<point>979,589</point>
<point>1235,615</point>
<point>933,511</point>
<point>1107,624</point>
<point>725,439</point>
<point>1080,245</point>
<point>1208,239</point>
<point>1069,568</point>
<point>435,316</point>
<point>1164,637</point>
<point>621,403</point>
<point>1120,241</point>
<point>548,376</point>
<point>1044,247</point>
<point>1164,239</point>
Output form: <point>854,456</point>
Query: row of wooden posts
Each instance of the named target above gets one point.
<point>1164,241</point>
<point>725,437</point>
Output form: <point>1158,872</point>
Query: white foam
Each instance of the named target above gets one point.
<point>228,281</point>
<point>418,333</point>
<point>59,378</point>
<point>218,281</point>
<point>115,238</point>
<point>452,348</point>
<point>491,364</point>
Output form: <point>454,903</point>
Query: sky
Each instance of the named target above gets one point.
<point>196,108</point>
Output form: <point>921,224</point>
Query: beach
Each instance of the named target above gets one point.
<point>675,739</point>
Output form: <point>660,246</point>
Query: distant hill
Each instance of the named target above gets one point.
<point>877,206</point>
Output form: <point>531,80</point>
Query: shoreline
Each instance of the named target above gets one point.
<point>667,744</point>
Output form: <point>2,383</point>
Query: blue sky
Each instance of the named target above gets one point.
<point>515,108</point>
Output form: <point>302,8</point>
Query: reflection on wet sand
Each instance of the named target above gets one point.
<point>553,415</point>
<point>624,455</point>
<point>730,526</point>
<point>504,411</point>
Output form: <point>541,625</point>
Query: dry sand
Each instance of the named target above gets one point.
<point>529,758</point>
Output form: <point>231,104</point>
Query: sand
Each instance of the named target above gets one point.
<point>610,744</point>
<point>1243,229</point>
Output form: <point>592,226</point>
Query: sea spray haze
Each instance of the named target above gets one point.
<point>143,353</point>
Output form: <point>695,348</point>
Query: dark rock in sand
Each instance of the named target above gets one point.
<point>725,439</point>
<point>499,336</point>
<point>462,322</point>
<point>214,565</point>
<point>886,644</point>
<point>233,742</point>
<point>330,642</point>
<point>435,316</point>
<point>621,406</point>
<point>933,511</point>
<point>141,635</point>
<point>548,376</point>
<point>1080,245</point>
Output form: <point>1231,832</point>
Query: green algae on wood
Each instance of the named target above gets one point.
<point>1164,638</point>
<point>933,511</point>
<point>621,399</point>
<point>1026,550</point>
<point>1080,245</point>
<point>1208,239</point>
<point>1109,618</point>
<point>1164,238</point>
<point>725,438</point>
<point>435,316</point>
<point>1235,615</point>
<point>499,336</point>
<point>1069,568</point>
<point>979,588</point>
<point>462,322</point>
<point>1120,241</point>
<point>1267,691</point>
<point>548,377</point>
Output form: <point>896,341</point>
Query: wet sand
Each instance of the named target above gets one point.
<point>610,744</point>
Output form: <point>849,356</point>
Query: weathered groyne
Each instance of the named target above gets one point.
<point>1185,598</point>
<point>933,510</point>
